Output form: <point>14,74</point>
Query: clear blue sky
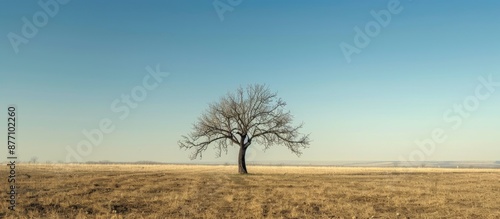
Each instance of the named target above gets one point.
<point>427,59</point>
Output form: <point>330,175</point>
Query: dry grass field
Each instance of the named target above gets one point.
<point>177,191</point>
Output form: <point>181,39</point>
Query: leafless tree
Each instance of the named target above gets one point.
<point>254,114</point>
<point>33,159</point>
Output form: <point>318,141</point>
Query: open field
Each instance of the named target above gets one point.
<point>181,191</point>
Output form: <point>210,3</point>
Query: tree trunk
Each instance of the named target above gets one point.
<point>242,166</point>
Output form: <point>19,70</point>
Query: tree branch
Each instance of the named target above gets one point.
<point>254,113</point>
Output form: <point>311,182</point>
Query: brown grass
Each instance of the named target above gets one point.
<point>175,191</point>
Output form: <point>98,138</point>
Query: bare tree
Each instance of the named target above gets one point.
<point>254,114</point>
<point>33,159</point>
